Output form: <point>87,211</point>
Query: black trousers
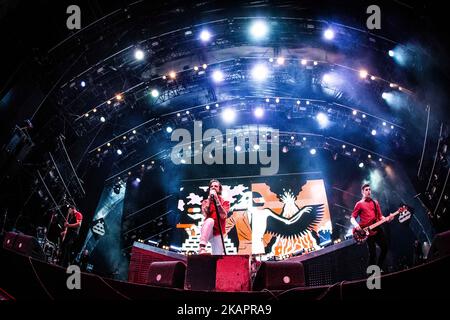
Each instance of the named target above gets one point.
<point>380,239</point>
<point>66,249</point>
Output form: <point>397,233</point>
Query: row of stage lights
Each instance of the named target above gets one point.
<point>259,72</point>
<point>229,115</point>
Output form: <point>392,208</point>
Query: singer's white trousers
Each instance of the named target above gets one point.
<point>207,236</point>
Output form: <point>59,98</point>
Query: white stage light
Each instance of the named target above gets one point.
<point>205,36</point>
<point>218,76</point>
<point>139,54</point>
<point>228,115</point>
<point>260,72</point>
<point>259,112</point>
<point>259,29</point>
<point>329,34</point>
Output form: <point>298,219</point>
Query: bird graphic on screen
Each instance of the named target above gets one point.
<point>304,220</point>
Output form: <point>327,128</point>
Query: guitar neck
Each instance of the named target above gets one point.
<point>376,224</point>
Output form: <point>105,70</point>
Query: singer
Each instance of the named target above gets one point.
<point>210,230</point>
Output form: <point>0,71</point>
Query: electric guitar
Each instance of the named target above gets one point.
<point>361,235</point>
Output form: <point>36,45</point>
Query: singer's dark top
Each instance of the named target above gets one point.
<point>211,213</point>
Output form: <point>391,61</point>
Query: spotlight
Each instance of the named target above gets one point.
<point>256,147</point>
<point>298,101</point>
<point>139,54</point>
<point>119,152</point>
<point>329,34</point>
<point>322,119</point>
<point>391,53</point>
<point>228,115</point>
<point>277,100</point>
<point>392,85</point>
<point>343,146</point>
<point>312,151</point>
<point>119,97</point>
<point>369,156</point>
<point>155,93</point>
<point>117,188</point>
<point>237,148</point>
<point>292,137</point>
<point>303,62</point>
<point>354,149</point>
<point>384,123</point>
<point>134,131</point>
<point>195,68</point>
<point>267,100</point>
<point>373,132</point>
<point>361,165</point>
<point>304,138</point>
<point>108,102</point>
<point>172,75</point>
<point>259,72</point>
<point>307,102</point>
<point>392,127</point>
<point>259,29</point>
<point>204,66</point>
<point>102,119</point>
<point>363,74</point>
<point>355,112</point>
<point>384,95</point>
<point>380,159</point>
<point>326,78</point>
<point>280,60</point>
<point>364,116</point>
<point>207,107</point>
<point>217,76</point>
<point>169,129</point>
<point>372,78</point>
<point>205,36</point>
<point>108,144</point>
<point>271,60</point>
<point>316,63</point>
<point>138,180</point>
<point>285,149</point>
<point>259,112</point>
<point>94,110</point>
<point>83,84</point>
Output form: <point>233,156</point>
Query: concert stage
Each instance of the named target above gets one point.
<point>140,140</point>
<point>25,278</point>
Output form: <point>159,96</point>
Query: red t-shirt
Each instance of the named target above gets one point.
<point>368,211</point>
<point>74,218</point>
<point>211,213</point>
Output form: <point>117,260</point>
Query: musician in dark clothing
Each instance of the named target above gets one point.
<point>70,234</point>
<point>369,212</point>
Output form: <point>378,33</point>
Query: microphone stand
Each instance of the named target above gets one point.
<point>220,227</point>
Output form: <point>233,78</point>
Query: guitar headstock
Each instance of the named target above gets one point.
<point>404,213</point>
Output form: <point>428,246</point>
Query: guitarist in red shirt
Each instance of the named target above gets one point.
<point>70,234</point>
<point>368,210</point>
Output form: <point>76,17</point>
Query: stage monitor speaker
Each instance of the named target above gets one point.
<point>28,246</point>
<point>279,275</point>
<point>9,240</point>
<point>440,246</point>
<point>218,273</point>
<point>167,274</point>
